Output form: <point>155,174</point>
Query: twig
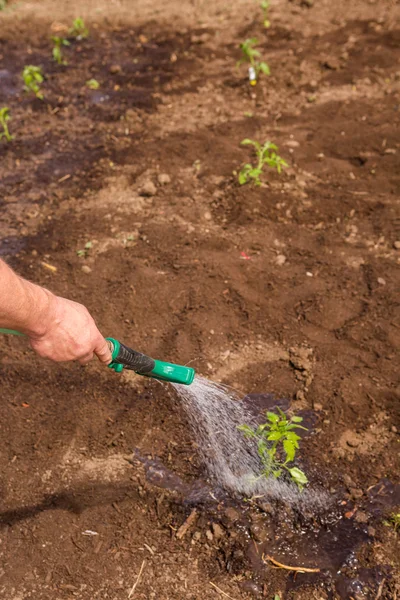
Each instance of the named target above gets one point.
<point>189,521</point>
<point>380,589</point>
<point>221,591</point>
<point>299,569</point>
<point>137,580</point>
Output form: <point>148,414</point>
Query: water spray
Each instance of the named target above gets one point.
<point>124,357</point>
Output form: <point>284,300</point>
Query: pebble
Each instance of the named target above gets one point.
<point>148,188</point>
<point>361,517</point>
<point>207,216</point>
<point>209,535</point>
<point>280,260</point>
<point>292,144</point>
<point>356,493</point>
<point>196,536</point>
<point>232,514</point>
<point>381,281</point>
<point>217,530</point>
<point>259,533</point>
<point>164,178</point>
<point>396,244</point>
<point>114,69</point>
<point>86,269</point>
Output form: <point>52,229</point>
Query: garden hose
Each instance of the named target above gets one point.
<point>124,357</point>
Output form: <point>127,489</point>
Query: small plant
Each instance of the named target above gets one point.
<point>251,55</point>
<point>3,4</point>
<point>4,117</point>
<point>78,30</point>
<point>93,84</point>
<point>393,521</point>
<point>265,5</point>
<point>266,155</point>
<point>84,252</point>
<point>277,444</point>
<point>59,42</point>
<point>33,78</point>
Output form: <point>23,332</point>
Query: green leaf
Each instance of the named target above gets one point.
<point>273,417</point>
<point>274,435</point>
<point>297,419</point>
<point>248,431</point>
<point>264,68</point>
<point>290,450</point>
<point>88,245</point>
<point>247,142</point>
<point>293,437</point>
<point>298,476</point>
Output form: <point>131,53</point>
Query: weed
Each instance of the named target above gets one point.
<point>78,30</point>
<point>3,4</point>
<point>265,4</point>
<point>4,117</point>
<point>93,84</point>
<point>251,55</point>
<point>276,597</point>
<point>280,431</point>
<point>59,42</point>
<point>266,155</point>
<point>84,252</point>
<point>393,521</point>
<point>33,78</point>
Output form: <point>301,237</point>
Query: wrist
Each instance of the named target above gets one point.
<point>40,311</point>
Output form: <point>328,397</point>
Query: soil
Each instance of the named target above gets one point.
<point>126,199</point>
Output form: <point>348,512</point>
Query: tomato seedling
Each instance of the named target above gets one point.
<point>33,79</point>
<point>4,117</point>
<point>78,30</point>
<point>251,56</point>
<point>266,155</point>
<point>59,42</point>
<point>277,444</point>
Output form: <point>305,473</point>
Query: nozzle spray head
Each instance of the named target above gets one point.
<point>124,357</point>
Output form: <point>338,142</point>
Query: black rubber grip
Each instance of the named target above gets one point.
<point>135,361</point>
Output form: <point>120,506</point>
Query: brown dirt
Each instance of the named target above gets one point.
<point>169,275</point>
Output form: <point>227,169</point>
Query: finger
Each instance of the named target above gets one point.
<point>102,351</point>
<point>86,359</point>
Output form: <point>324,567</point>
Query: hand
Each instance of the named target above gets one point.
<point>70,333</point>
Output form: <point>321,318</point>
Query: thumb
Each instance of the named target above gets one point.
<point>102,351</point>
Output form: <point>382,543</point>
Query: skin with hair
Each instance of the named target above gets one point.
<point>57,328</point>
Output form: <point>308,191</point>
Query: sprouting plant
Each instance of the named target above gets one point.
<point>93,84</point>
<point>33,78</point>
<point>78,30</point>
<point>265,4</point>
<point>4,117</point>
<point>59,42</point>
<point>3,4</point>
<point>84,252</point>
<point>393,521</point>
<point>251,55</point>
<point>277,444</point>
<point>266,155</point>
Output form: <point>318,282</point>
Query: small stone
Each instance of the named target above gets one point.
<point>232,514</point>
<point>115,69</point>
<point>371,531</point>
<point>259,533</point>
<point>86,269</point>
<point>300,395</point>
<point>361,517</point>
<point>207,216</point>
<point>217,530</point>
<point>396,244</point>
<point>196,536</point>
<point>356,493</point>
<point>148,188</point>
<point>381,281</point>
<point>352,441</point>
<point>164,178</point>
<point>292,144</point>
<point>34,253</point>
<point>280,260</point>
<point>209,535</point>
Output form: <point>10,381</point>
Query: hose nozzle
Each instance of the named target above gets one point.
<point>124,357</point>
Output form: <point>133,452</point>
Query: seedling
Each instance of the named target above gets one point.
<point>3,4</point>
<point>59,42</point>
<point>266,155</point>
<point>93,84</point>
<point>251,55</point>
<point>265,4</point>
<point>78,30</point>
<point>84,252</point>
<point>33,78</point>
<point>393,521</point>
<point>277,444</point>
<point>4,117</point>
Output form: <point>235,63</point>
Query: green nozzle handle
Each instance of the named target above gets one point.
<point>124,357</point>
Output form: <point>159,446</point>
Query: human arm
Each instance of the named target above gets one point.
<point>57,328</point>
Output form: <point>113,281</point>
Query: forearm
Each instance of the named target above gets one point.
<point>24,306</point>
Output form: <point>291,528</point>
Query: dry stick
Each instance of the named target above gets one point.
<point>380,589</point>
<point>221,591</point>
<point>189,521</point>
<point>300,569</point>
<point>137,580</point>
